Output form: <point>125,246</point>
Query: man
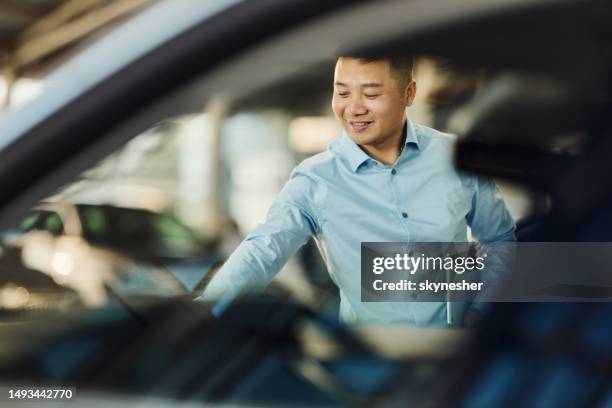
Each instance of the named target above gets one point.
<point>385,179</point>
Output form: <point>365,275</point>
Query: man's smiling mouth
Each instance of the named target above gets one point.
<point>359,126</point>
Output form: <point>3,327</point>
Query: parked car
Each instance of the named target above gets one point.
<point>90,247</point>
<point>136,232</point>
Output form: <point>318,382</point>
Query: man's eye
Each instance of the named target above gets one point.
<point>342,94</point>
<point>372,96</point>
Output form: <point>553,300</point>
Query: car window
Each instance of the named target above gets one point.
<point>183,194</point>
<point>193,186</point>
<point>29,222</point>
<point>174,236</point>
<point>117,227</point>
<point>43,220</point>
<point>52,222</point>
<point>95,223</point>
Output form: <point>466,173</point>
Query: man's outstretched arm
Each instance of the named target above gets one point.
<point>290,222</point>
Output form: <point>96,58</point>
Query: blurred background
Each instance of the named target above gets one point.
<point>37,36</point>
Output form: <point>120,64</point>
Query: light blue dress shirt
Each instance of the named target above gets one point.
<point>343,197</point>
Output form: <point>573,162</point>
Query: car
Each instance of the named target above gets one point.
<point>91,247</point>
<point>534,114</point>
<point>159,235</point>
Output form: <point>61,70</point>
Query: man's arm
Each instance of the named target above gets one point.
<point>291,220</point>
<point>489,218</point>
<point>493,227</point>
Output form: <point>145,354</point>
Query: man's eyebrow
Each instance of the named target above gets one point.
<point>366,85</point>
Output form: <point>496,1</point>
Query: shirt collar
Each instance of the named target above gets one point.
<point>356,157</point>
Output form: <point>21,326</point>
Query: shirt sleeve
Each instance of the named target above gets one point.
<point>290,222</point>
<point>493,227</point>
<point>489,218</point>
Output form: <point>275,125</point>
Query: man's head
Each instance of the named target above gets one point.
<point>370,97</point>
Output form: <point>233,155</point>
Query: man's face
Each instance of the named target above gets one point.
<point>368,101</point>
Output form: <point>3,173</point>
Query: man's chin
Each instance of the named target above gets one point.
<point>361,138</point>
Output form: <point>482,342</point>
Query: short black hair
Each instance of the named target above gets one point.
<point>402,66</point>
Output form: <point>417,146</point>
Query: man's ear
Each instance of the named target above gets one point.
<point>410,92</point>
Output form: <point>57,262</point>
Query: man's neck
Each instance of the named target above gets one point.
<point>388,152</point>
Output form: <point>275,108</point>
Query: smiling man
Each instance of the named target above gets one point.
<point>370,100</point>
<point>384,180</point>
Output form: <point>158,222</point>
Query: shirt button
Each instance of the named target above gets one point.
<point>394,172</point>
<point>404,215</point>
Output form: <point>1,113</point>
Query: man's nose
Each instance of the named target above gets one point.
<point>356,107</point>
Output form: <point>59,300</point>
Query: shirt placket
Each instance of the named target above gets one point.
<point>400,213</point>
